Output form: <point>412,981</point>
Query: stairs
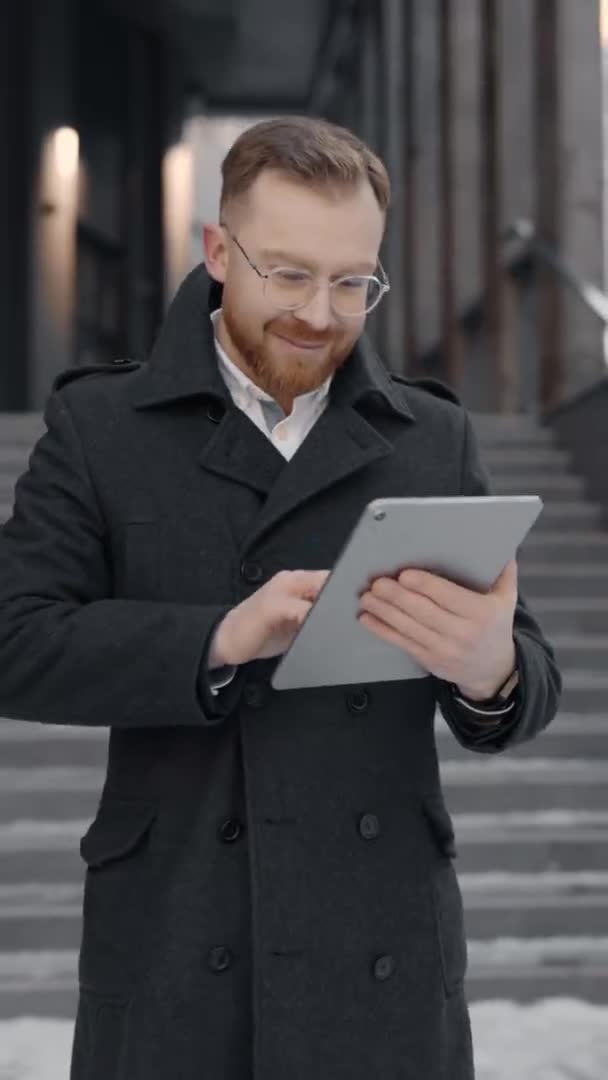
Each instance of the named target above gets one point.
<point>531,825</point>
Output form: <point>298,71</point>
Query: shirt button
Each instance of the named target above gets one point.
<point>369,827</point>
<point>252,572</point>
<point>282,434</point>
<point>358,700</point>
<point>253,695</point>
<point>384,967</point>
<point>231,830</point>
<point>219,959</point>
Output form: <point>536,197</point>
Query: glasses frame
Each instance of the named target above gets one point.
<point>383,282</point>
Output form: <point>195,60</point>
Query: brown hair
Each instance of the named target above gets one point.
<point>306,149</point>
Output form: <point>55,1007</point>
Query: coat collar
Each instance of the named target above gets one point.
<point>183,361</point>
<point>341,443</point>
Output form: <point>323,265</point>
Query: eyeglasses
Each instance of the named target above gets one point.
<point>289,288</point>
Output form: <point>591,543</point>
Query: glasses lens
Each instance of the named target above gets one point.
<point>288,289</point>
<point>355,295</point>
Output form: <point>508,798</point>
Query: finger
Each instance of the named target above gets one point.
<point>422,609</point>
<point>292,610</point>
<point>446,594</point>
<point>398,621</point>
<point>392,637</point>
<point>506,583</point>
<point>305,583</point>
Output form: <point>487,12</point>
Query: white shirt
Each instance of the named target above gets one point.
<point>287,433</point>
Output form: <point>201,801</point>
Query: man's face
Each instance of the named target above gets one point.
<point>329,234</point>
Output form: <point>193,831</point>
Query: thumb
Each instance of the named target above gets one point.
<point>506,583</point>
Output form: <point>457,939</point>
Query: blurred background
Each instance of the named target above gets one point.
<point>490,115</point>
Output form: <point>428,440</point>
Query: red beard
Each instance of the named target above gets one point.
<point>293,376</point>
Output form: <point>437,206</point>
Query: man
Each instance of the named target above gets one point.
<point>270,890</point>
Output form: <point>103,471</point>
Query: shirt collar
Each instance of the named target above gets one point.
<point>237,378</point>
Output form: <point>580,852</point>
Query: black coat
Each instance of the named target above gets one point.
<point>270,890</point>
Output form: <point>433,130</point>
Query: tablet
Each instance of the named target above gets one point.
<point>467,540</point>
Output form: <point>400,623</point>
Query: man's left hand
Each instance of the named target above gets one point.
<point>459,635</point>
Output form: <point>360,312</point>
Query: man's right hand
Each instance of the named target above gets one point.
<point>266,623</point>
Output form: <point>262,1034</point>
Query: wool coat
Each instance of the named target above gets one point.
<point>270,888</point>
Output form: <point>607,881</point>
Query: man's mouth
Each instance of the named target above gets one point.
<point>297,344</point>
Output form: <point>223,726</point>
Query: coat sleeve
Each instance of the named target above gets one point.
<point>70,652</point>
<point>539,678</point>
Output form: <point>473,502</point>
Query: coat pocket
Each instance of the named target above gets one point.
<point>118,894</point>
<point>446,895</point>
<point>100,1036</point>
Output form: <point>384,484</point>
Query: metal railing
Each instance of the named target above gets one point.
<point>524,231</point>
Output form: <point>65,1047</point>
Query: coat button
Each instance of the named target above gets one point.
<point>384,967</point>
<point>215,412</point>
<point>369,826</point>
<point>231,830</point>
<point>252,573</point>
<point>219,959</point>
<point>253,695</point>
<point>358,700</point>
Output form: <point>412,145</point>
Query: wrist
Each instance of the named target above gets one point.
<point>490,690</point>
<point>219,651</point>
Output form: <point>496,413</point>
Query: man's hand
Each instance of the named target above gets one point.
<point>458,635</point>
<point>266,623</point>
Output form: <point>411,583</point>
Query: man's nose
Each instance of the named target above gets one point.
<point>317,312</point>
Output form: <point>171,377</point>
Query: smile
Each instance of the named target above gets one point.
<point>310,346</point>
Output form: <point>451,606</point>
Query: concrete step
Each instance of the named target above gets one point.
<point>43,984</point>
<point>7,488</point>
<point>570,615</point>
<point>53,793</point>
<point>532,842</point>
<point>38,983</point>
<point>568,736</point>
<point>50,849</point>
<point>562,486</point>
<point>526,970</point>
<point>40,915</point>
<point>574,546</point>
<point>581,650</point>
<point>13,461</point>
<point>549,904</point>
<point>528,439</point>
<point>564,579</point>
<point>35,915</point>
<point>498,783</point>
<point>489,426</point>
<point>513,460</point>
<point>575,515</point>
<point>584,691</point>
<point>41,744</point>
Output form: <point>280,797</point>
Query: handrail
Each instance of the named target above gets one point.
<point>593,298</point>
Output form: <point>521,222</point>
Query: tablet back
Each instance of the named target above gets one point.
<point>468,540</point>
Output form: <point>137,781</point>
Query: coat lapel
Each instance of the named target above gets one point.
<point>339,445</point>
<point>183,364</point>
<point>239,451</point>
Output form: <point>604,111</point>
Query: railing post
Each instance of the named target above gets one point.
<point>546,142</point>
<point>491,197</point>
<point>451,339</point>
<point>509,345</point>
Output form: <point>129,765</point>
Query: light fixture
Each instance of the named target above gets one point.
<point>66,147</point>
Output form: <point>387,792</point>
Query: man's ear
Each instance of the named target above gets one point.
<point>215,251</point>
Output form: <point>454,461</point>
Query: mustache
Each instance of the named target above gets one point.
<point>300,333</point>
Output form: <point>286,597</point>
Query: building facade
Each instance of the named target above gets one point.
<point>488,114</point>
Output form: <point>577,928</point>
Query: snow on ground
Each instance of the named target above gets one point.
<point>555,1039</point>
